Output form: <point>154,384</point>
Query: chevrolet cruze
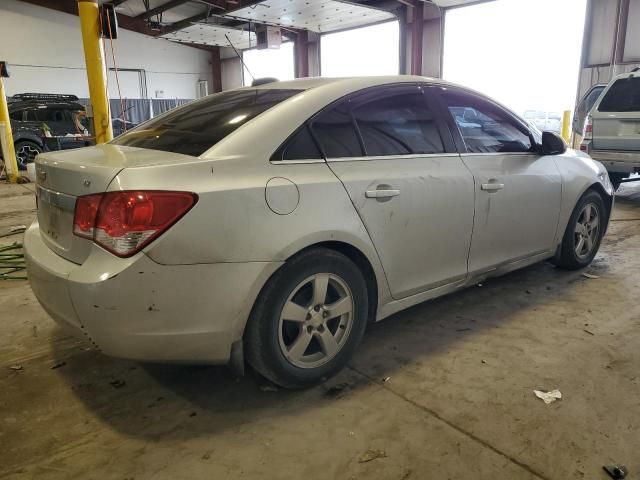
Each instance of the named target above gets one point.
<point>272,224</point>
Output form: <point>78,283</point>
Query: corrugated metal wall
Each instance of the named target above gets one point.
<point>611,41</point>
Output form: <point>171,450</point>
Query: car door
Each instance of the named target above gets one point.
<point>518,191</point>
<point>398,163</point>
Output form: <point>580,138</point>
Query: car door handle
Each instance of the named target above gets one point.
<point>492,187</point>
<point>381,193</point>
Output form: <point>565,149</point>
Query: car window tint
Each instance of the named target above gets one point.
<point>623,96</point>
<point>197,126</point>
<point>485,127</point>
<point>300,146</point>
<point>32,115</point>
<point>336,132</point>
<point>398,125</point>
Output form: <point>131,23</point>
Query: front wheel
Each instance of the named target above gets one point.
<point>308,320</point>
<point>584,232</point>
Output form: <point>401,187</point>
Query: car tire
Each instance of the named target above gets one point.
<point>26,152</point>
<point>584,232</point>
<point>293,336</point>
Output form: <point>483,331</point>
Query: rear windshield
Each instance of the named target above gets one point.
<point>194,128</point>
<point>623,96</point>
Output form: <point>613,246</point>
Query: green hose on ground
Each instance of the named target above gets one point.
<point>12,259</point>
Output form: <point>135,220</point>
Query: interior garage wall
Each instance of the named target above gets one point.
<point>611,44</point>
<point>44,51</point>
<point>432,41</point>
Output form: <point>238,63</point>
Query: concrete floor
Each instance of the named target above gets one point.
<point>457,402</point>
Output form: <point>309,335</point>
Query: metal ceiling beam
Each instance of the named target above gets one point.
<point>174,27</point>
<point>71,7</point>
<point>161,8</point>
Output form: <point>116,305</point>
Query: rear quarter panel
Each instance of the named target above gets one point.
<point>232,221</point>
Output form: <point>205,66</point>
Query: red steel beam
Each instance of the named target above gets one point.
<point>216,70</point>
<point>301,48</point>
<point>417,27</point>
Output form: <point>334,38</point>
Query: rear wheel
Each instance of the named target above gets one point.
<point>308,320</point>
<point>584,232</point>
<point>26,152</point>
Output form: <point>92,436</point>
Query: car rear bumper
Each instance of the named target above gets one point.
<point>617,161</point>
<point>138,309</point>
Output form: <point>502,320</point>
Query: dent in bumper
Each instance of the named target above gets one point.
<point>138,309</point>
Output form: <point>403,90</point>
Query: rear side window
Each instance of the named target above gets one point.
<point>623,96</point>
<point>486,128</point>
<point>300,146</point>
<point>398,124</point>
<point>336,132</point>
<point>197,126</point>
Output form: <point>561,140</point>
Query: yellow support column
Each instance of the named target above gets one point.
<point>96,74</point>
<point>10,154</point>
<point>566,126</point>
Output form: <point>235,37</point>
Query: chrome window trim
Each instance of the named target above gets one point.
<point>493,154</point>
<point>392,157</point>
<point>294,162</point>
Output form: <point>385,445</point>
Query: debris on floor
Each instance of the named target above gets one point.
<point>372,454</point>
<point>336,390</point>
<point>616,471</point>
<point>588,331</point>
<point>386,379</point>
<point>17,228</point>
<point>590,275</point>
<point>16,367</point>
<point>117,383</point>
<point>548,397</point>
<point>58,365</point>
<point>268,388</point>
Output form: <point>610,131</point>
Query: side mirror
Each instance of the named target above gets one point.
<point>553,144</point>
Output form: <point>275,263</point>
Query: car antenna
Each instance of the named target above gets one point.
<point>240,57</point>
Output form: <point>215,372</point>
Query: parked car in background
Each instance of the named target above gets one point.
<point>43,121</point>
<point>612,129</point>
<point>274,223</point>
<point>544,121</point>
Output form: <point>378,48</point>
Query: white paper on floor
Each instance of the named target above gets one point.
<point>548,397</point>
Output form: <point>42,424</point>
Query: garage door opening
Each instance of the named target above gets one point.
<point>276,62</point>
<point>524,54</point>
<point>362,51</point>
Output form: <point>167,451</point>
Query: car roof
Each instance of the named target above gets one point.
<point>355,82</point>
<point>20,104</point>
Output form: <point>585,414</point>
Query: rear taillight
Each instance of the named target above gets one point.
<point>587,132</point>
<point>125,222</point>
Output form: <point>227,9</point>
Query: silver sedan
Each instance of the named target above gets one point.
<point>271,224</point>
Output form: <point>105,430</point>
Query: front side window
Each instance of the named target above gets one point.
<point>623,96</point>
<point>485,128</point>
<point>398,124</point>
<point>336,132</point>
<point>197,126</point>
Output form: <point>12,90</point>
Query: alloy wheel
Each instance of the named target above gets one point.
<point>586,230</point>
<point>26,154</point>
<point>316,320</point>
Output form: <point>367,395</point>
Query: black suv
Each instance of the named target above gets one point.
<point>43,122</point>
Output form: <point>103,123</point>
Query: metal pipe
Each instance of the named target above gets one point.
<point>89,13</point>
<point>10,154</point>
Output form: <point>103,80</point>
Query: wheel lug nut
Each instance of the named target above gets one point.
<point>321,328</point>
<point>317,308</point>
<point>308,316</point>
<point>325,314</point>
<point>309,329</point>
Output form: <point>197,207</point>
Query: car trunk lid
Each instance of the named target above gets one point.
<point>65,175</point>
